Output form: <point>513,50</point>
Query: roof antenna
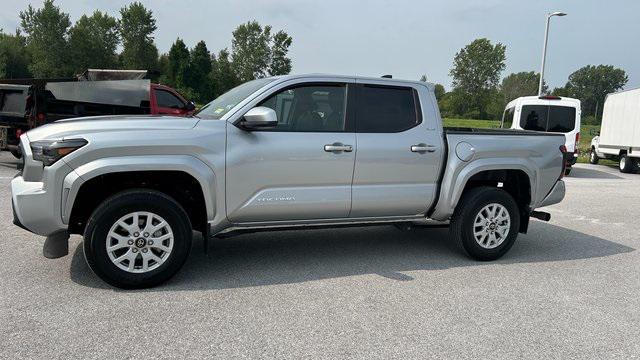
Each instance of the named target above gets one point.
<point>387,76</point>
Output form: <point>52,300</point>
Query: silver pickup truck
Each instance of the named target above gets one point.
<point>278,153</point>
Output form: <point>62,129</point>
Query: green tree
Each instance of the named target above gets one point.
<point>439,91</point>
<point>93,41</point>
<point>520,84</point>
<point>46,29</point>
<point>280,63</point>
<point>591,84</point>
<point>136,27</point>
<point>222,75</point>
<point>476,72</point>
<point>250,51</point>
<point>199,69</point>
<point>255,53</point>
<point>14,58</point>
<point>178,64</point>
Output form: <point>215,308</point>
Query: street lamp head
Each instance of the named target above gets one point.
<point>557,13</point>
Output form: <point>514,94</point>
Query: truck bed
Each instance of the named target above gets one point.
<point>485,131</point>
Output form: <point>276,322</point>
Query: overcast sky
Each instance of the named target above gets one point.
<point>400,37</point>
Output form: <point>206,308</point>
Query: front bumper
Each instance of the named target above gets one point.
<point>29,201</point>
<point>555,195</point>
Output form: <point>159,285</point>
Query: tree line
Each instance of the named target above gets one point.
<point>48,45</point>
<point>478,93</point>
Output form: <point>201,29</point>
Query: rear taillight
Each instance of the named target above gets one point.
<point>563,150</point>
<point>577,142</point>
<point>41,117</point>
<point>18,133</point>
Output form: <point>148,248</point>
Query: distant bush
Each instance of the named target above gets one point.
<point>590,120</point>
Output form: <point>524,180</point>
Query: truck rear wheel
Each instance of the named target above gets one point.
<point>485,223</point>
<point>627,164</point>
<point>137,239</point>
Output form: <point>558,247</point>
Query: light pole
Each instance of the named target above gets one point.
<point>544,48</point>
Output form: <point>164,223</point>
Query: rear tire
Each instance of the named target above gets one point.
<point>137,239</point>
<point>626,165</point>
<point>567,171</point>
<point>474,234</point>
<point>593,157</point>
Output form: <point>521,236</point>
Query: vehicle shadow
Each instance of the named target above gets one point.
<point>584,173</point>
<point>288,257</point>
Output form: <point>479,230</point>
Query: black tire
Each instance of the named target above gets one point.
<point>567,171</point>
<point>626,164</point>
<point>593,157</point>
<point>462,222</point>
<point>119,205</point>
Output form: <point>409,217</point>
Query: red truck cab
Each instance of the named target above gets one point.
<point>165,100</point>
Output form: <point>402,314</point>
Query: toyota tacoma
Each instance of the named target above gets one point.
<point>278,153</point>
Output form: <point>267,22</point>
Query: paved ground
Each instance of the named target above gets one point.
<point>568,289</point>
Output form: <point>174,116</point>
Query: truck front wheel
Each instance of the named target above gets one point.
<point>485,223</point>
<point>137,239</point>
<point>593,157</point>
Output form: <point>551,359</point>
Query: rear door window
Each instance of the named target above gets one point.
<point>561,119</point>
<point>534,117</point>
<point>548,118</point>
<point>382,109</point>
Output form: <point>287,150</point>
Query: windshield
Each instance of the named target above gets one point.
<point>227,101</point>
<point>548,118</point>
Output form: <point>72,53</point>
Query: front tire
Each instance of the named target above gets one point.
<point>137,239</point>
<point>485,223</point>
<point>593,157</point>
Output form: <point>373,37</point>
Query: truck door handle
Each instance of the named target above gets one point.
<point>338,147</point>
<point>423,148</point>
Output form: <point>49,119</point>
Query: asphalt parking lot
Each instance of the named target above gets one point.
<point>568,289</point>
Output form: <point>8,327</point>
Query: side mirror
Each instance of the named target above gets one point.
<point>190,106</point>
<point>259,117</point>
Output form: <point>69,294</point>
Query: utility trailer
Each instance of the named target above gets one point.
<point>619,137</point>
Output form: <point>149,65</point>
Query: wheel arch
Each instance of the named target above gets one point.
<point>514,177</point>
<point>93,182</point>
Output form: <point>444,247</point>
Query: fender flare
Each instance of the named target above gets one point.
<point>458,174</point>
<point>185,163</point>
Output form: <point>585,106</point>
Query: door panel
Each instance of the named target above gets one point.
<point>396,172</point>
<point>390,179</point>
<point>275,176</point>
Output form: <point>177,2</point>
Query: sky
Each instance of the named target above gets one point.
<point>405,38</point>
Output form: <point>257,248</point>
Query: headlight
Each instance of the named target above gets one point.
<point>50,151</point>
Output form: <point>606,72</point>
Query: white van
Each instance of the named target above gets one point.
<point>619,137</point>
<point>548,114</point>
